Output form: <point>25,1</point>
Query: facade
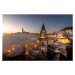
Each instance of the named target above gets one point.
<point>50,42</point>
<point>63,40</point>
<point>68,31</point>
<point>43,41</point>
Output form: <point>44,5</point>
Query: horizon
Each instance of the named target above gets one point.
<point>25,31</point>
<point>33,23</point>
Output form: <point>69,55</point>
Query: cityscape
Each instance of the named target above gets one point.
<point>37,38</point>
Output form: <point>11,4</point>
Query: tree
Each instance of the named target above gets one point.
<point>42,44</point>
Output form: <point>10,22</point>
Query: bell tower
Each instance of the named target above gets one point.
<point>43,41</point>
<point>22,30</point>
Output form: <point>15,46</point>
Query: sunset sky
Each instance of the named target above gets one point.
<point>33,23</point>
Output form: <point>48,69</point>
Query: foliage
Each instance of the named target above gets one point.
<point>67,28</point>
<point>42,44</point>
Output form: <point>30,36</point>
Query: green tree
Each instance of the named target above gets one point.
<point>42,44</point>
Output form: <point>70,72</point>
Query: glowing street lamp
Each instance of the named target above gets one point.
<point>37,51</point>
<point>9,51</point>
<point>27,53</point>
<point>35,46</point>
<point>26,45</point>
<point>37,41</point>
<point>13,49</point>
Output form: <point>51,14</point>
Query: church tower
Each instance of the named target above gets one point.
<point>22,30</point>
<point>43,41</point>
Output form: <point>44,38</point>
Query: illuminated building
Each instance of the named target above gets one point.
<point>43,41</point>
<point>50,35</point>
<point>64,41</point>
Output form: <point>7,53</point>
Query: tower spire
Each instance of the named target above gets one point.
<point>43,27</point>
<point>43,41</point>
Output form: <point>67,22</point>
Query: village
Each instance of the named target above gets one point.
<point>33,46</point>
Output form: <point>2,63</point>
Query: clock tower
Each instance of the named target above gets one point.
<point>43,41</point>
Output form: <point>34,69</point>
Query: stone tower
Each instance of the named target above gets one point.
<point>43,41</point>
<point>22,30</point>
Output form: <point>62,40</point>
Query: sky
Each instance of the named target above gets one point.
<point>33,23</point>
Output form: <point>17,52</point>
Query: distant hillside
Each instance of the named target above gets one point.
<point>17,40</point>
<point>66,28</point>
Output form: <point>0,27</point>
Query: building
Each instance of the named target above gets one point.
<point>22,30</point>
<point>43,41</point>
<point>63,40</point>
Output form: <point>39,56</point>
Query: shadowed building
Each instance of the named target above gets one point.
<point>22,30</point>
